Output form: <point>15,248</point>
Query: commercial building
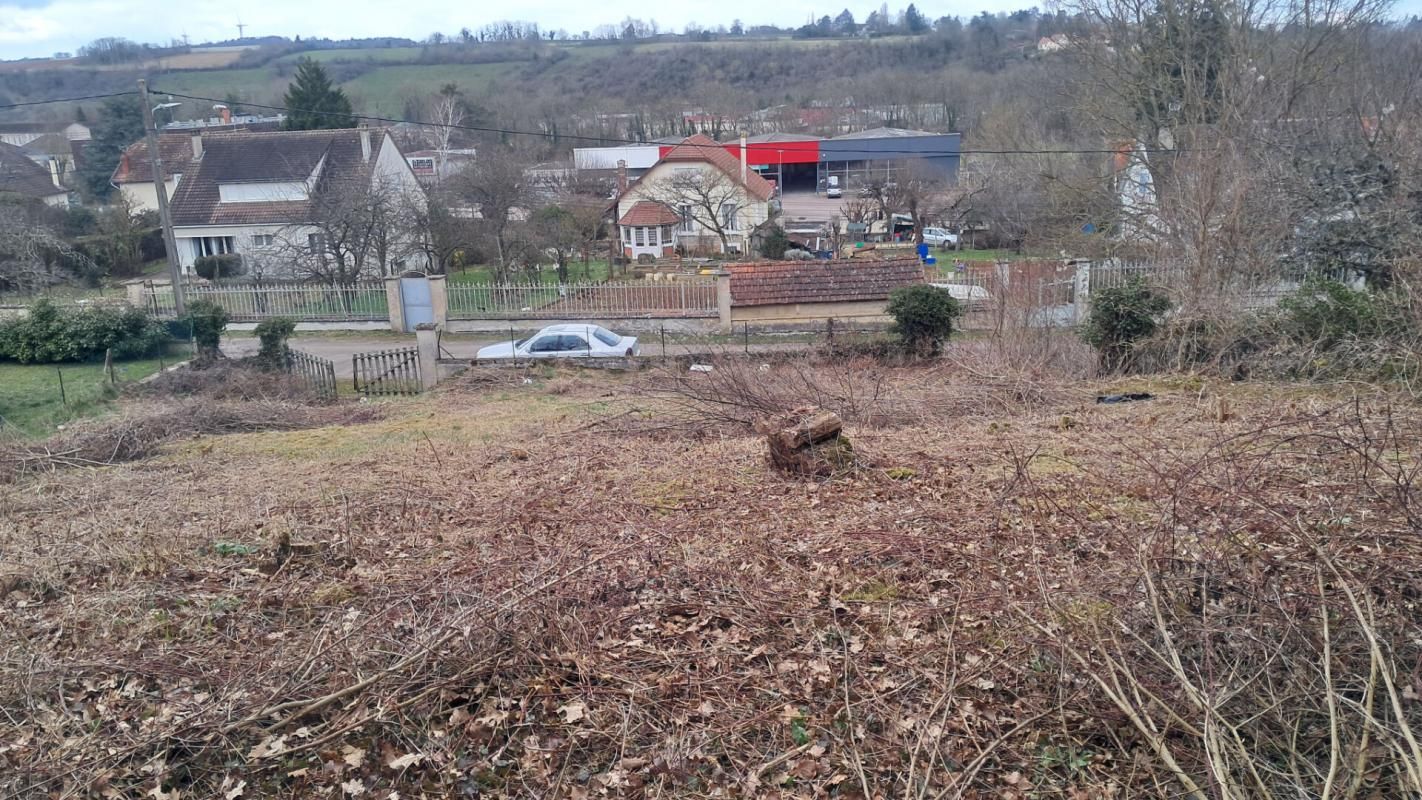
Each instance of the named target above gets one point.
<point>804,163</point>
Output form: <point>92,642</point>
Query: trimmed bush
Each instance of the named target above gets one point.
<point>207,321</point>
<point>1120,317</point>
<point>273,334</point>
<point>923,317</point>
<point>212,268</point>
<point>50,334</point>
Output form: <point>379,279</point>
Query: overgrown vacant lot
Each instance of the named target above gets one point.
<point>595,586</point>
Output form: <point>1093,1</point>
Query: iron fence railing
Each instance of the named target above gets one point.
<point>681,298</point>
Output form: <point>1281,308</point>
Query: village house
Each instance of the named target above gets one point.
<point>697,196</point>
<point>133,176</point>
<point>270,197</point>
<point>19,175</point>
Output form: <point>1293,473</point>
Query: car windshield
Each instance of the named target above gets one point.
<point>606,336</point>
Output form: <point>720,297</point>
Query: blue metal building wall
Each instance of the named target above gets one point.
<point>941,150</point>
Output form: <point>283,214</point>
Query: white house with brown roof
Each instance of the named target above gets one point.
<point>697,196</point>
<point>271,197</point>
<point>133,176</point>
<point>21,176</point>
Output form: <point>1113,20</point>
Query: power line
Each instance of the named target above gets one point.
<point>580,137</point>
<point>67,100</point>
<point>615,140</point>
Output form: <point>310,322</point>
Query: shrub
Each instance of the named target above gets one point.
<point>212,268</point>
<point>775,243</point>
<point>49,334</point>
<point>923,317</point>
<point>273,334</point>
<point>1323,313</point>
<point>207,320</point>
<point>1120,317</point>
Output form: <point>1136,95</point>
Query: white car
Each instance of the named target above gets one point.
<point>566,341</point>
<point>939,237</point>
<point>972,298</point>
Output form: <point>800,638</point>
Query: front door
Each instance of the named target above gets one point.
<point>415,302</point>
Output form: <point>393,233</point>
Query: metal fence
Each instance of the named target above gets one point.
<point>319,374</point>
<point>361,301</point>
<point>387,372</point>
<point>1115,274</point>
<point>689,298</point>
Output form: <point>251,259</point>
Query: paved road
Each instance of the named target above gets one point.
<point>339,349</point>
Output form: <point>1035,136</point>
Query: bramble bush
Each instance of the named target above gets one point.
<point>273,334</point>
<point>207,321</point>
<point>1121,317</point>
<point>923,317</point>
<point>49,334</point>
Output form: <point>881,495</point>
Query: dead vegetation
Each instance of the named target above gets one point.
<point>1212,594</point>
<point>177,406</point>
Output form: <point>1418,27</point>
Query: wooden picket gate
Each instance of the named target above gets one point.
<point>316,372</point>
<point>387,372</point>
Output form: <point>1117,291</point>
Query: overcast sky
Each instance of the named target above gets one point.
<point>30,28</point>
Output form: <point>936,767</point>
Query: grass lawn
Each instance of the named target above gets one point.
<point>30,400</point>
<point>596,270</point>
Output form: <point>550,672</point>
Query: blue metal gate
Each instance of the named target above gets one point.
<point>415,302</point>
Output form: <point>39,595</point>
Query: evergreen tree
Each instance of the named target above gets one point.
<point>313,103</point>
<point>914,21</point>
<point>120,125</point>
<point>844,24</point>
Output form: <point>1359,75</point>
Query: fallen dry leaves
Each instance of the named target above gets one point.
<point>620,610</point>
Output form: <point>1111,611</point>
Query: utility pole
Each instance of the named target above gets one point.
<point>155,159</point>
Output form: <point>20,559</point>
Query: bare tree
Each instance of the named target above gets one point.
<point>355,230</point>
<point>31,252</point>
<point>1207,101</point>
<point>498,190</point>
<point>447,112</point>
<point>710,198</point>
<point>925,193</point>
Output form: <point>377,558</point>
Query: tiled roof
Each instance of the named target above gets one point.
<point>703,149</point>
<point>20,175</point>
<point>135,167</point>
<point>263,156</point>
<point>260,157</point>
<point>768,283</point>
<point>50,144</point>
<point>649,212</point>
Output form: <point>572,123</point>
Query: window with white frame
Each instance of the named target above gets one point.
<point>728,216</point>
<point>688,225</point>
<point>316,242</point>
<point>263,240</point>
<point>627,234</point>
<point>641,236</point>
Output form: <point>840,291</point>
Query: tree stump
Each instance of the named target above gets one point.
<point>807,441</point>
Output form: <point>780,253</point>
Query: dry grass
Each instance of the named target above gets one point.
<point>519,593</point>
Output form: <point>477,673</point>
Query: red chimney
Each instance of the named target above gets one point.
<point>621,176</point>
<point>123,164</point>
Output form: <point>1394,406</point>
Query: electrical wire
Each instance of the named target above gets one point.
<point>602,140</point>
<point>68,99</point>
<point>614,140</point>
